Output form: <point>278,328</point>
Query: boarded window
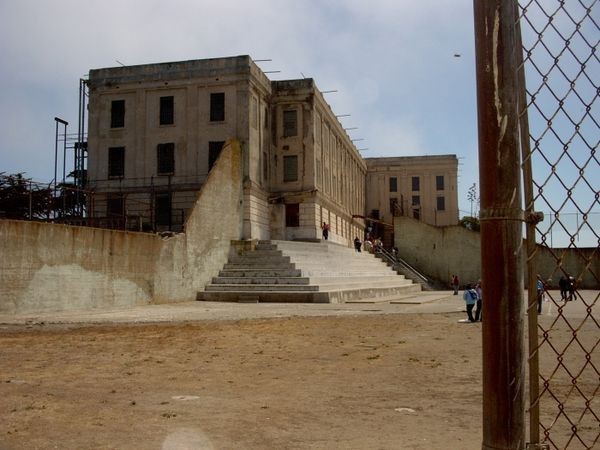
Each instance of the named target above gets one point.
<point>217,107</point>
<point>165,159</point>
<point>214,150</point>
<point>290,168</point>
<point>441,203</point>
<point>167,110</point>
<point>416,185</point>
<point>393,184</point>
<point>117,114</point>
<point>439,182</point>
<point>115,205</point>
<point>162,208</point>
<point>116,162</point>
<point>290,123</point>
<point>292,215</point>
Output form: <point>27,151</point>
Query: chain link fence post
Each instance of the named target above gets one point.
<point>501,227</point>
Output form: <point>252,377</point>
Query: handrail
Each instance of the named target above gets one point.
<point>398,260</point>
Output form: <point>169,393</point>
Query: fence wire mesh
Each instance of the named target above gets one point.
<point>562,69</point>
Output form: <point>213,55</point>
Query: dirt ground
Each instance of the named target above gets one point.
<point>388,381</point>
<point>373,382</point>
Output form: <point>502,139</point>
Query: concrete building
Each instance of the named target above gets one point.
<point>156,130</point>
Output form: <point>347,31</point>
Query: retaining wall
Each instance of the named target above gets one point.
<point>50,267</point>
<point>440,252</point>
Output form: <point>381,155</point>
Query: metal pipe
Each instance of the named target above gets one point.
<point>501,230</point>
<point>532,300</point>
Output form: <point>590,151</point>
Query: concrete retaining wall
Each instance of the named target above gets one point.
<point>440,252</point>
<point>47,267</point>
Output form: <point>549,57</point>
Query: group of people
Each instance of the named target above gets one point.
<point>566,285</point>
<point>473,298</point>
<point>370,245</point>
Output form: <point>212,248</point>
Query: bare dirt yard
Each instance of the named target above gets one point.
<point>356,381</point>
<point>372,382</point>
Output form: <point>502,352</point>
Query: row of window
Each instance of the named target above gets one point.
<point>165,158</point>
<point>115,207</point>
<point>416,202</point>
<point>416,183</point>
<point>166,115</point>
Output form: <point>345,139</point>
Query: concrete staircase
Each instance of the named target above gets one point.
<point>307,272</point>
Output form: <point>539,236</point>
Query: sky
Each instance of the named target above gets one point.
<point>392,63</point>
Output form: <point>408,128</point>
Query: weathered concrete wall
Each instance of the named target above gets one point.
<point>439,252</point>
<point>56,267</point>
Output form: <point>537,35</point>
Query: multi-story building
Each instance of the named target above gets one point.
<point>155,131</point>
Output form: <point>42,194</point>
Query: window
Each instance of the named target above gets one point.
<point>254,112</point>
<point>167,110</point>
<point>439,182</point>
<point>441,203</point>
<point>117,114</point>
<point>265,167</point>
<point>393,184</point>
<point>290,123</point>
<point>290,168</point>
<point>165,159</point>
<point>416,200</point>
<point>214,150</point>
<point>116,162</point>
<point>217,107</point>
<point>162,208</point>
<point>415,184</point>
<point>292,215</point>
<point>115,206</point>
<point>393,206</point>
<point>375,214</point>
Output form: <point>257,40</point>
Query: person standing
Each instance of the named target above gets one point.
<point>563,285</point>
<point>540,293</point>
<point>470,298</point>
<point>357,244</point>
<point>455,283</point>
<point>478,312</point>
<point>325,230</point>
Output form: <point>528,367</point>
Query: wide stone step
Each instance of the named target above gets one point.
<point>334,296</point>
<point>265,266</point>
<point>259,272</point>
<point>261,280</point>
<point>258,259</point>
<point>261,287</point>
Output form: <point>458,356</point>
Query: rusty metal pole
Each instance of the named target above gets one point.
<point>501,225</point>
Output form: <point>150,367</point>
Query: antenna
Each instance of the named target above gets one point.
<point>119,62</point>
<point>327,92</point>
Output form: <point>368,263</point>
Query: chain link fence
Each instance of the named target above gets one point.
<point>560,116</point>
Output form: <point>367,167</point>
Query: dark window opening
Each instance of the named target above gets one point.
<point>214,150</point>
<point>439,182</point>
<point>117,114</point>
<point>441,203</point>
<point>217,107</point>
<point>165,159</point>
<point>292,215</point>
<point>115,205</point>
<point>416,200</point>
<point>162,209</point>
<point>415,184</point>
<point>290,168</point>
<point>116,162</point>
<point>375,214</point>
<point>290,123</point>
<point>167,110</point>
<point>393,184</point>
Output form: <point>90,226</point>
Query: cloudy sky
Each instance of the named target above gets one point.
<point>391,62</point>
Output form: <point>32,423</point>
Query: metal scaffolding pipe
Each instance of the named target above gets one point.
<point>501,225</point>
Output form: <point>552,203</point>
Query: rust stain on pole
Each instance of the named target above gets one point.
<point>501,225</point>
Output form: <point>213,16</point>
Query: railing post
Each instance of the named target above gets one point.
<point>501,227</point>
